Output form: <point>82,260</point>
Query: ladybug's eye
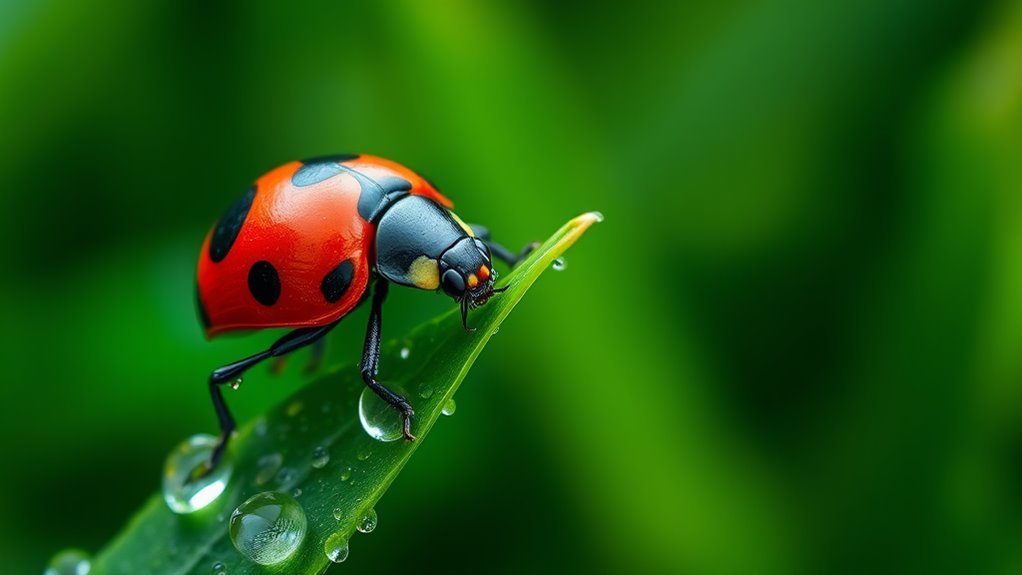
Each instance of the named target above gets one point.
<point>453,284</point>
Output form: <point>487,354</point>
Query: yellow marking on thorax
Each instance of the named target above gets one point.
<point>463,225</point>
<point>424,273</point>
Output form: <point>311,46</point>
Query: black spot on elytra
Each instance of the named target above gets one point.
<point>315,170</point>
<point>203,316</point>
<point>227,228</point>
<point>264,282</point>
<point>337,281</point>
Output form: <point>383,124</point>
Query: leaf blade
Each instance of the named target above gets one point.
<point>323,414</point>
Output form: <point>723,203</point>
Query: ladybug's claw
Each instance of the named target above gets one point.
<point>407,414</point>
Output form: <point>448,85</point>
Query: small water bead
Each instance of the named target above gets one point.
<point>320,457</point>
<point>346,474</point>
<point>559,264</point>
<point>598,216</point>
<point>183,489</point>
<point>363,454</point>
<point>381,421</point>
<point>449,407</point>
<point>236,383</point>
<point>297,492</point>
<point>285,475</point>
<point>496,330</point>
<point>268,465</point>
<point>268,527</point>
<point>426,391</point>
<point>405,352</point>
<point>219,568</point>
<point>367,522</point>
<point>336,547</point>
<point>69,562</point>
<point>338,513</point>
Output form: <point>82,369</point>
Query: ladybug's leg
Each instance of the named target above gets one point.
<point>499,251</point>
<point>316,351</point>
<point>371,360</point>
<point>228,373</point>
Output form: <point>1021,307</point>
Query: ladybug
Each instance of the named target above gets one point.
<point>303,245</point>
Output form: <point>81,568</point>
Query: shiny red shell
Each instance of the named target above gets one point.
<point>302,233</point>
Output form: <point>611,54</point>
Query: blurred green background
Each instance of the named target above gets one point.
<point>794,346</point>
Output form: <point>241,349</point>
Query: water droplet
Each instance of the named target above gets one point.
<point>183,489</point>
<point>598,216</point>
<point>449,407</point>
<point>285,475</point>
<point>405,352</point>
<point>381,421</point>
<point>559,265</point>
<point>336,547</point>
<point>346,474</point>
<point>294,408</point>
<point>367,522</point>
<point>219,568</point>
<point>297,492</point>
<point>268,527</point>
<point>338,513</point>
<point>236,383</point>
<point>69,562</point>
<point>320,457</point>
<point>425,391</point>
<point>496,330</point>
<point>268,466</point>
<point>363,454</point>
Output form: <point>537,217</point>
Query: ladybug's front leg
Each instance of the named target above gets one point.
<point>499,251</point>
<point>371,360</point>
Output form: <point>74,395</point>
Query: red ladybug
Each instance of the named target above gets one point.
<point>301,246</point>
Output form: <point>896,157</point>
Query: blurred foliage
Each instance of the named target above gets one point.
<point>803,314</point>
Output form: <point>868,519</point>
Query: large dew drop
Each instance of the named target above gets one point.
<point>183,488</point>
<point>268,527</point>
<point>559,265</point>
<point>336,547</point>
<point>381,421</point>
<point>69,562</point>
<point>367,522</point>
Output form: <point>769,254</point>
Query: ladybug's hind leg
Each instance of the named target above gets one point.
<point>371,360</point>
<point>296,339</point>
<point>499,251</point>
<point>317,350</point>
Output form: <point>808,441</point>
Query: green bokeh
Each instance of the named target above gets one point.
<point>794,346</point>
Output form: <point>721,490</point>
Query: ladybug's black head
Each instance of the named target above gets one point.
<point>466,274</point>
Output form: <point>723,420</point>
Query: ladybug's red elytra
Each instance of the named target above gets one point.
<point>301,247</point>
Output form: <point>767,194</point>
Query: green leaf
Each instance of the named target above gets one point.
<point>427,366</point>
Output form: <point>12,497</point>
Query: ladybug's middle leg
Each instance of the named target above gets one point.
<point>499,251</point>
<point>294,340</point>
<point>371,360</point>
